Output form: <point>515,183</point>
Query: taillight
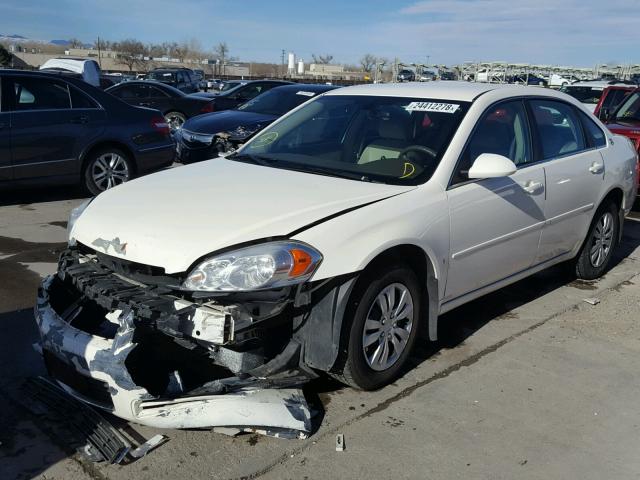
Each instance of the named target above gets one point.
<point>159,124</point>
<point>208,108</point>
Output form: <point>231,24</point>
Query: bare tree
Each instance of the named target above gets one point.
<point>367,62</point>
<point>75,43</point>
<point>5,56</point>
<point>221,51</point>
<point>101,44</point>
<point>181,51</point>
<point>323,59</point>
<point>130,53</point>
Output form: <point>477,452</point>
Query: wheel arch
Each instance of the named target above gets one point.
<point>423,266</point>
<point>616,195</point>
<point>84,158</point>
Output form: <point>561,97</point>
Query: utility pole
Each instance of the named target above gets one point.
<point>283,54</point>
<point>99,55</point>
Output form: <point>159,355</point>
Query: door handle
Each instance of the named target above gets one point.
<point>80,119</point>
<point>144,104</point>
<point>532,187</point>
<point>596,167</point>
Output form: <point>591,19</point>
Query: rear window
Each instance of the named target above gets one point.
<point>162,76</point>
<point>41,94</point>
<point>588,95</point>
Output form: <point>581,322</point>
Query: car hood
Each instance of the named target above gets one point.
<point>174,217</point>
<point>223,121</point>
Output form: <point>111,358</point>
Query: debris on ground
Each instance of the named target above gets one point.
<point>592,300</point>
<point>340,442</point>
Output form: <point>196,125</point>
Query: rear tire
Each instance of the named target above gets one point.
<point>106,168</point>
<point>596,252</point>
<point>385,316</point>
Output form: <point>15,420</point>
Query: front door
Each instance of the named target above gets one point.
<point>6,171</point>
<point>496,223</point>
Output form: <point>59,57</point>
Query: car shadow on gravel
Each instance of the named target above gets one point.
<point>28,196</point>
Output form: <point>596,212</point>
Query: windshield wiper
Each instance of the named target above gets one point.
<point>329,172</point>
<point>257,159</point>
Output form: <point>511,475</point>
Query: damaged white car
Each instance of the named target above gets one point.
<point>207,295</point>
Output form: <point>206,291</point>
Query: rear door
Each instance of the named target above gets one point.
<point>496,223</point>
<point>6,171</point>
<point>158,99</point>
<point>574,170</point>
<point>47,134</point>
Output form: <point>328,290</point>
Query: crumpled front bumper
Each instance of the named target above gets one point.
<point>92,368</point>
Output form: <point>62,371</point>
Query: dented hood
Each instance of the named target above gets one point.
<point>172,218</point>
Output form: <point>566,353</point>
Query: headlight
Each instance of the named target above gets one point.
<point>270,265</point>
<point>241,133</point>
<point>73,217</point>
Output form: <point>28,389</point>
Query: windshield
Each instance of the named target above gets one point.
<point>382,139</point>
<point>162,76</point>
<point>588,95</point>
<point>630,108</point>
<point>277,101</point>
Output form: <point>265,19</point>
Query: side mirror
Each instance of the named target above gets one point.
<point>491,165</point>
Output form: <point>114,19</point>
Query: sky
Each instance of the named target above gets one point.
<point>558,32</point>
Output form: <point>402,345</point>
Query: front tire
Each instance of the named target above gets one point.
<point>386,315</point>
<point>106,168</point>
<point>596,252</point>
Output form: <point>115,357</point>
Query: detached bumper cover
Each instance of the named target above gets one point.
<point>94,368</point>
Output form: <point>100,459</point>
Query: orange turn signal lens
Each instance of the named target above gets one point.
<point>302,262</point>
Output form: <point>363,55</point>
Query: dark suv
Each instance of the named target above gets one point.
<point>55,129</point>
<point>183,79</point>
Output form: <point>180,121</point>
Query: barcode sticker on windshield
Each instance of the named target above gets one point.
<point>306,94</point>
<point>432,107</point>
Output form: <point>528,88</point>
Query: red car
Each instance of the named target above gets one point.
<point>611,98</point>
<point>625,120</point>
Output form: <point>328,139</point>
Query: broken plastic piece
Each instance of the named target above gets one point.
<point>592,301</point>
<point>149,445</point>
<point>340,442</point>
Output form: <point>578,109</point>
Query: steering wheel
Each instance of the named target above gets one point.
<point>418,148</point>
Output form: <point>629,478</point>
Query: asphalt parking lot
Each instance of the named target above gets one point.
<point>530,381</point>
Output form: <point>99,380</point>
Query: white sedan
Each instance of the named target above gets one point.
<point>328,243</point>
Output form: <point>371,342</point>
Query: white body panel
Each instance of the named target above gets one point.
<point>478,236</point>
<point>89,69</point>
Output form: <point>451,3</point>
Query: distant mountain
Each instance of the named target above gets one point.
<point>62,43</point>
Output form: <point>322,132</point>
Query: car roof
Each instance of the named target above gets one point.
<point>449,90</point>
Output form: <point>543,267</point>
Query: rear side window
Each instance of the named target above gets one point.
<point>593,133</point>
<point>80,99</point>
<point>559,128</point>
<point>41,94</point>
<point>132,92</point>
<point>155,92</point>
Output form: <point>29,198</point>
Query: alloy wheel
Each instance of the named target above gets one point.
<point>602,240</point>
<point>388,326</point>
<point>175,122</point>
<point>109,170</point>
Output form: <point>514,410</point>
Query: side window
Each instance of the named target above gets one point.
<point>503,130</point>
<point>80,99</point>
<point>41,94</point>
<point>595,135</point>
<point>132,92</point>
<point>181,78</point>
<point>559,129</point>
<point>155,92</point>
